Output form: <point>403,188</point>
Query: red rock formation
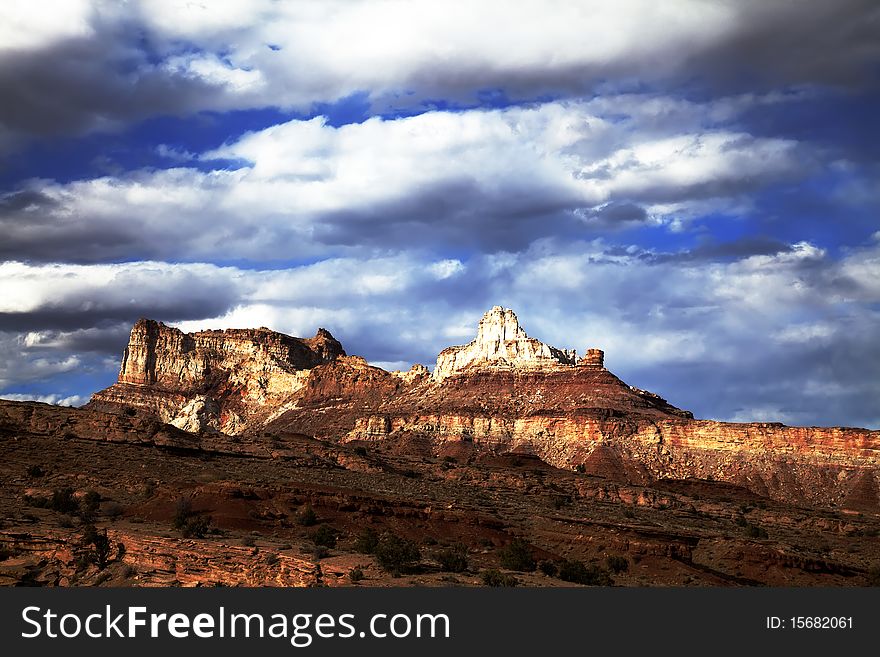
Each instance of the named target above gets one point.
<point>501,392</point>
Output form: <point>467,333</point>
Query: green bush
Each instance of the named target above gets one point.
<point>307,516</point>
<point>396,554</point>
<point>517,555</point>
<point>367,541</point>
<point>324,536</point>
<point>190,523</point>
<point>548,568</point>
<point>494,577</point>
<point>63,501</point>
<point>617,564</point>
<point>453,559</point>
<point>580,573</point>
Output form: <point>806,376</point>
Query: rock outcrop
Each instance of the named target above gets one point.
<point>501,343</point>
<point>220,380</point>
<point>502,392</point>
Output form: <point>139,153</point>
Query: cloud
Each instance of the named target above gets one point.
<point>89,66</point>
<point>746,332</point>
<point>58,400</point>
<point>482,180</point>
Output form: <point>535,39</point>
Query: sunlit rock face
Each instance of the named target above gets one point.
<point>501,343</point>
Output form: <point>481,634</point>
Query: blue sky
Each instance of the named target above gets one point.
<point>691,186</point>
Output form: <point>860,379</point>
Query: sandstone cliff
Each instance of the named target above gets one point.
<point>500,343</point>
<point>502,392</point>
<point>212,379</point>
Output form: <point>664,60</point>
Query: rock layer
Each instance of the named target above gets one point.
<point>502,392</point>
<point>215,380</point>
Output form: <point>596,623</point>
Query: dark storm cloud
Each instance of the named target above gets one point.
<point>76,85</point>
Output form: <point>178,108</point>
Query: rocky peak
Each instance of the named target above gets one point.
<point>501,343</point>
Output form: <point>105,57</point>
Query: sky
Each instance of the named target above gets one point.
<point>692,186</point>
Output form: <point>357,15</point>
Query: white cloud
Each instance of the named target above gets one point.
<point>495,178</point>
<point>58,400</point>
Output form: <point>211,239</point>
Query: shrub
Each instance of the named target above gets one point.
<point>629,513</point>
<point>190,523</point>
<point>754,531</point>
<point>307,516</point>
<point>396,554</point>
<point>453,559</point>
<point>617,564</point>
<point>581,468</point>
<point>360,450</point>
<point>356,574</point>
<point>367,541</point>
<point>548,568</point>
<point>580,573</point>
<point>63,501</point>
<point>88,505</point>
<point>324,536</point>
<point>35,471</point>
<point>113,509</point>
<point>517,555</point>
<point>320,552</point>
<point>494,577</point>
<point>95,548</point>
<point>874,576</point>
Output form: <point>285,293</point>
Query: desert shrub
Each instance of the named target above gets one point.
<point>396,554</point>
<point>248,541</point>
<point>324,536</point>
<point>113,509</point>
<point>63,501</point>
<point>449,459</point>
<point>494,577</point>
<point>320,552</point>
<point>360,450</point>
<point>94,548</point>
<point>367,541</point>
<point>629,513</point>
<point>35,471</point>
<point>874,576</point>
<point>88,505</point>
<point>754,531</point>
<point>453,559</point>
<point>307,516</point>
<point>617,563</point>
<point>741,522</point>
<point>581,468</point>
<point>548,568</point>
<point>271,559</point>
<point>580,573</point>
<point>517,555</point>
<point>356,574</point>
<point>191,524</point>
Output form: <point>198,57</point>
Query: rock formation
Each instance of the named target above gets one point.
<point>212,379</point>
<point>500,343</point>
<point>503,391</point>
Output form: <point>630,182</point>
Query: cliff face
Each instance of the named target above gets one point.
<point>216,380</point>
<point>500,343</point>
<point>502,392</point>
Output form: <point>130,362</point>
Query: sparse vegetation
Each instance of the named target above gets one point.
<point>874,576</point>
<point>617,563</point>
<point>517,555</point>
<point>755,531</point>
<point>548,568</point>
<point>324,536</point>
<point>356,574</point>
<point>307,516</point>
<point>453,559</point>
<point>580,573</point>
<point>494,577</point>
<point>35,471</point>
<point>360,450</point>
<point>95,548</point>
<point>190,524</point>
<point>396,554</point>
<point>367,541</point>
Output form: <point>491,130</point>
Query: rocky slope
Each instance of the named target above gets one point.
<point>502,392</point>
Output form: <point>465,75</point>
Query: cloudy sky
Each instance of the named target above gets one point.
<point>692,186</point>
